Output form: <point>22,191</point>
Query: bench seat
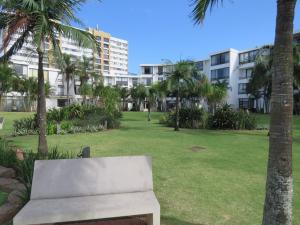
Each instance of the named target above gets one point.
<point>74,209</point>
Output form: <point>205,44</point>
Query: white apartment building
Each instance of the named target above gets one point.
<point>111,62</point>
<point>231,65</point>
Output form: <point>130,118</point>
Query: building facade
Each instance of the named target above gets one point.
<point>111,62</point>
<point>230,65</point>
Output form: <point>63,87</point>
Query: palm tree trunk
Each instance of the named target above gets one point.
<point>41,109</point>
<point>68,89</point>
<point>177,112</point>
<point>279,186</point>
<point>149,112</point>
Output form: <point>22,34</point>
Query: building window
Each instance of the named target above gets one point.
<point>248,57</point>
<point>148,70</point>
<point>77,89</point>
<point>34,73</point>
<point>20,70</point>
<point>220,59</point>
<point>106,46</point>
<point>200,65</point>
<point>243,88</point>
<point>106,39</point>
<point>61,102</point>
<point>60,90</point>
<point>122,81</point>
<point>134,81</point>
<point>109,81</point>
<point>243,103</point>
<point>245,74</point>
<point>106,68</point>
<point>220,74</point>
<point>160,70</point>
<point>98,39</point>
<point>148,81</point>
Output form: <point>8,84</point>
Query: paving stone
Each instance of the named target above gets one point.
<point>7,172</point>
<point>7,212</point>
<point>8,185</point>
<point>15,198</point>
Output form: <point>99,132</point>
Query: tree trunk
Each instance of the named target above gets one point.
<point>41,109</point>
<point>68,88</point>
<point>149,112</point>
<point>177,112</point>
<point>279,186</point>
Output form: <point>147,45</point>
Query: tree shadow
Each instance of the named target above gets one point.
<point>167,220</point>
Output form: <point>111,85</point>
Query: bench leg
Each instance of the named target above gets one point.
<point>153,219</point>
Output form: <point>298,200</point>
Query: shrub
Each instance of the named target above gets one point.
<point>193,118</point>
<point>25,126</point>
<point>86,118</point>
<point>228,118</point>
<point>7,155</point>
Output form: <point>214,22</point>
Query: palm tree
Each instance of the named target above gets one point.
<point>41,20</point>
<point>6,80</point>
<point>178,79</point>
<point>151,96</point>
<point>85,73</point>
<point>124,93</point>
<point>279,185</point>
<point>216,94</point>
<point>68,68</point>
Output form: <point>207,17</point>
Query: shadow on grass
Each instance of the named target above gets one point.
<point>175,221</point>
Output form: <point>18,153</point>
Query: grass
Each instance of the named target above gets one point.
<point>223,184</point>
<point>3,197</point>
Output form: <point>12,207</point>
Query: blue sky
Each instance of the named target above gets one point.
<point>163,29</point>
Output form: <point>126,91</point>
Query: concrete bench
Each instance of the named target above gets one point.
<point>90,189</point>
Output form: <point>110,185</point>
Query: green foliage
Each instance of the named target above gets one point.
<point>71,119</point>
<point>25,126</point>
<point>229,119</point>
<point>7,156</point>
<point>193,118</point>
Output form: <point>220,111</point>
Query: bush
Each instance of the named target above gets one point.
<point>227,118</point>
<point>70,119</point>
<point>193,118</point>
<point>7,155</point>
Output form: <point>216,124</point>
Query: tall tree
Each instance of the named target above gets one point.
<point>68,67</point>
<point>178,80</point>
<point>151,96</point>
<point>86,73</point>
<point>6,80</point>
<point>41,20</point>
<point>279,185</point>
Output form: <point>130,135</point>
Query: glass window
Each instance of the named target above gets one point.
<point>220,59</point>
<point>199,65</point>
<point>245,74</point>
<point>20,70</point>
<point>148,70</point>
<point>220,74</point>
<point>106,39</point>
<point>134,81</point>
<point>248,57</point>
<point>160,70</point>
<point>60,89</point>
<point>122,81</point>
<point>243,88</point>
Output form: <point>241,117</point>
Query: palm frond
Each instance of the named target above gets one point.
<point>201,7</point>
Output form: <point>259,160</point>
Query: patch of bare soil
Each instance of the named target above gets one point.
<point>197,149</point>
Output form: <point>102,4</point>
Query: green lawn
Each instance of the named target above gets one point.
<point>223,184</point>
